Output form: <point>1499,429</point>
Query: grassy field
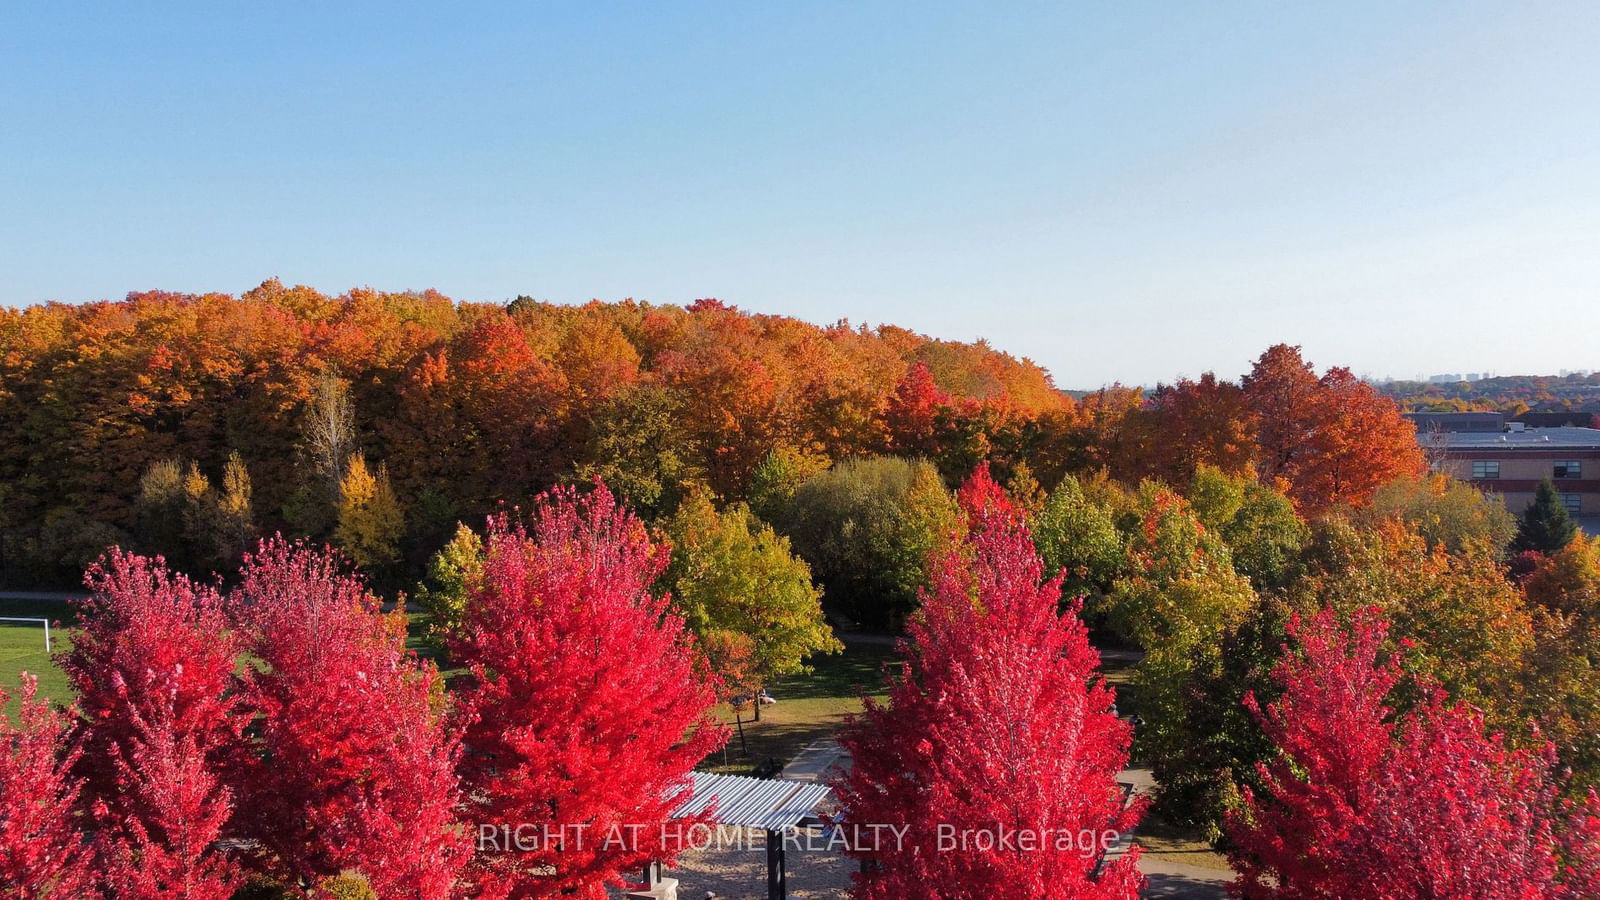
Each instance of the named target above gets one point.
<point>22,648</point>
<point>809,707</point>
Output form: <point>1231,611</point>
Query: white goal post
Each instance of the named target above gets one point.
<point>44,622</point>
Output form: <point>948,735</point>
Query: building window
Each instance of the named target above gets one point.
<point>1573,503</point>
<point>1569,468</point>
<point>1486,468</point>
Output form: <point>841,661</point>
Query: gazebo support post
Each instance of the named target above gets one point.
<point>777,876</point>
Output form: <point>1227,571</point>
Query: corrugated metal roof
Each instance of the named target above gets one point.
<point>769,803</point>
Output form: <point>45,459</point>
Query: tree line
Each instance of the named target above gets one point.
<point>1575,394</point>
<point>187,425</point>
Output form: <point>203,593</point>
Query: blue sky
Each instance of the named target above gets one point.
<point>1119,191</point>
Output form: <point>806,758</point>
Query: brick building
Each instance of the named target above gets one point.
<point>1513,462</point>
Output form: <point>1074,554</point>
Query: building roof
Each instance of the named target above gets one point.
<point>770,803</point>
<point>1580,418</point>
<point>1570,438</point>
<point>1458,421</point>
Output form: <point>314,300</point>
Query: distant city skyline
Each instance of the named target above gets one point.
<point>1130,192</point>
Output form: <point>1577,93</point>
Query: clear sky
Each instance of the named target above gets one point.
<point>1120,191</point>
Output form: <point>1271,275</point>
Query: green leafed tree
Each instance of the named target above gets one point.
<point>868,528</point>
<point>1266,535</point>
<point>777,477</point>
<point>1180,600</point>
<point>1220,744</point>
<point>1215,496</point>
<point>1257,522</point>
<point>444,589</point>
<point>1078,535</point>
<point>638,446</point>
<point>731,572</point>
<point>1447,512</point>
<point>1546,526</point>
<point>1181,588</point>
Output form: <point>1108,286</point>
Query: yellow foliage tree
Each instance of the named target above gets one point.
<point>234,526</point>
<point>371,522</point>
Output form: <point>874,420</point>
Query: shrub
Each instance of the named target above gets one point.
<point>346,886</point>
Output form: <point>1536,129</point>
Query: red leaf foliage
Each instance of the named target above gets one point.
<point>591,705</point>
<point>998,723</point>
<point>1358,805</point>
<point>41,848</point>
<point>355,767</point>
<point>153,665</point>
<point>982,499</point>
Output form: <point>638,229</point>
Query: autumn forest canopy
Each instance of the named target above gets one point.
<point>188,425</point>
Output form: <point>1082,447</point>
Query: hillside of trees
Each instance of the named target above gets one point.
<point>187,425</point>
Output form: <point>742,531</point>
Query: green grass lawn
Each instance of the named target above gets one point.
<point>809,707</point>
<point>22,649</point>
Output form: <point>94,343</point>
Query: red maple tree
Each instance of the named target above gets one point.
<point>911,416</point>
<point>41,847</point>
<point>152,662</point>
<point>590,704</point>
<point>1357,805</point>
<point>167,852</point>
<point>1580,847</point>
<point>997,725</point>
<point>355,768</point>
<point>982,499</point>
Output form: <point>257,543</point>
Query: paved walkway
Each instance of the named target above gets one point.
<point>1165,877</point>
<point>817,762</point>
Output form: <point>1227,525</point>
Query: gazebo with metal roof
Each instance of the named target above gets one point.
<point>774,805</point>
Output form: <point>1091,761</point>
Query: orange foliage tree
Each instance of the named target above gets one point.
<point>1332,439</point>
